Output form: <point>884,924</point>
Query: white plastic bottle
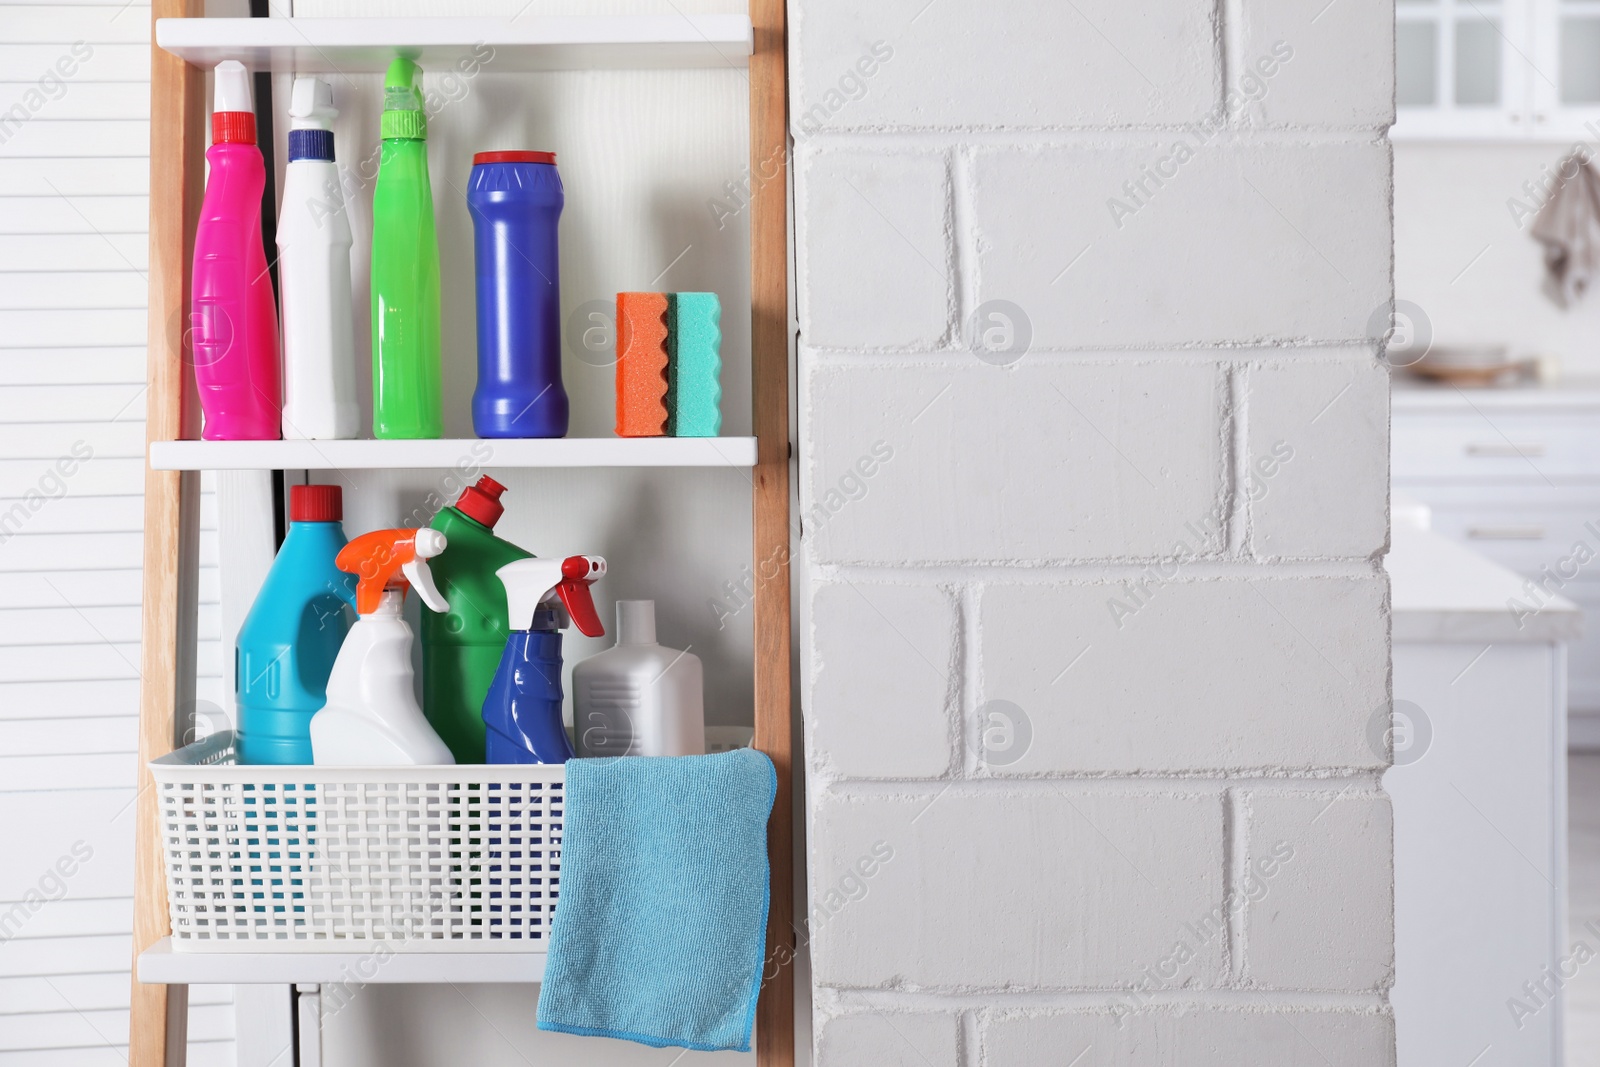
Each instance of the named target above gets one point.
<point>638,698</point>
<point>372,717</point>
<point>319,353</point>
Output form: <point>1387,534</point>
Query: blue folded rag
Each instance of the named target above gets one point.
<point>661,926</point>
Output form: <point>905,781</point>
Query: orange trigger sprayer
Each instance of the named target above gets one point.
<point>372,716</point>
<point>391,561</point>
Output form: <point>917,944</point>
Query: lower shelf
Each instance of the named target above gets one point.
<point>161,965</point>
<point>474,453</point>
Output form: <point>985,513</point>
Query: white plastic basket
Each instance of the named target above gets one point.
<point>426,859</point>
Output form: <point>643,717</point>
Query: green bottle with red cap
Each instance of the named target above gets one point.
<point>461,647</point>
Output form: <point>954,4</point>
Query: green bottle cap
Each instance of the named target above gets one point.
<point>403,116</point>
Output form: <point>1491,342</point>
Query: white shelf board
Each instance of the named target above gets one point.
<point>160,964</point>
<point>527,43</point>
<point>401,455</point>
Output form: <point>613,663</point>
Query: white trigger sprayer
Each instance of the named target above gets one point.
<point>372,716</point>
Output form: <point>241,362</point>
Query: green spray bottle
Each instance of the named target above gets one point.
<point>405,269</point>
<point>461,647</point>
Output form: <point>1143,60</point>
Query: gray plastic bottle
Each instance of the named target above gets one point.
<point>638,698</point>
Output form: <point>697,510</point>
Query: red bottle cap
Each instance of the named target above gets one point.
<point>233,127</point>
<point>482,501</point>
<point>316,503</point>
<point>514,157</point>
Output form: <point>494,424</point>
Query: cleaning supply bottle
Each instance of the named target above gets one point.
<point>637,698</point>
<point>233,314</point>
<point>319,348</point>
<point>461,647</point>
<point>288,642</point>
<point>515,199</point>
<point>405,269</point>
<point>371,716</point>
<point>523,709</point>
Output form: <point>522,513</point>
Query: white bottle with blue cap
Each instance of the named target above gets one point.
<point>319,358</point>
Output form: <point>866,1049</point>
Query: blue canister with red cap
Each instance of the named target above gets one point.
<point>516,199</point>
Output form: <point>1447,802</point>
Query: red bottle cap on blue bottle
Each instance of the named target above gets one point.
<point>513,157</point>
<point>316,503</point>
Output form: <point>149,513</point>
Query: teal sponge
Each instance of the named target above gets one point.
<point>694,364</point>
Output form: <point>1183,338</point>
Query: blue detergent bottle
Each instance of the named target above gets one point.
<point>515,199</point>
<point>522,712</point>
<point>292,635</point>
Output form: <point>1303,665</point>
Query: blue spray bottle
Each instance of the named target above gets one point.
<point>522,712</point>
<point>292,635</point>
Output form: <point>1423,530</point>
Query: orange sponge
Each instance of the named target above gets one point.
<point>641,364</point>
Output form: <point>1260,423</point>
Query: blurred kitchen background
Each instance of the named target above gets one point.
<point>1496,447</point>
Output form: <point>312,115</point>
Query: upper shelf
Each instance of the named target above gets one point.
<point>526,43</point>
<point>402,455</point>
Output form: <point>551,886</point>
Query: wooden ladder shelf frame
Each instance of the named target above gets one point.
<point>159,1016</point>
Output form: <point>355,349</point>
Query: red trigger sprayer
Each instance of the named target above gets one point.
<point>372,716</point>
<point>522,711</point>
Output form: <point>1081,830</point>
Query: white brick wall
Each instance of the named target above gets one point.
<point>1038,461</point>
<point>954,64</point>
<point>881,276</point>
<point>885,680</point>
<point>890,1040</point>
<point>1340,70</point>
<point>1200,673</point>
<point>1096,620</point>
<point>1299,934</point>
<point>1025,890</point>
<point>1312,493</point>
<point>1204,1038</point>
<point>1247,240</point>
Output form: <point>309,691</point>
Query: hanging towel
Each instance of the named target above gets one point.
<point>661,926</point>
<point>1568,225</point>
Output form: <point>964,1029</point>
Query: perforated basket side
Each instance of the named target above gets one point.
<point>419,858</point>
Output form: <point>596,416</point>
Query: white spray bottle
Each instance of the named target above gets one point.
<point>319,350</point>
<point>638,698</point>
<point>372,717</point>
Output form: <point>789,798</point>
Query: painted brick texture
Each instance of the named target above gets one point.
<point>1040,461</point>
<point>1092,456</point>
<point>1243,242</point>
<point>1274,673</point>
<point>973,64</point>
<point>992,891</point>
<point>1196,1038</point>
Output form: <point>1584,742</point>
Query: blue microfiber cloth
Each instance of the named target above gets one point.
<point>660,930</point>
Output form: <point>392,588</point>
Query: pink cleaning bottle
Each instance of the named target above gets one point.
<point>234,318</point>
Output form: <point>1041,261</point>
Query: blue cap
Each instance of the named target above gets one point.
<point>310,144</point>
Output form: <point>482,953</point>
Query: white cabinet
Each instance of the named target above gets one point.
<point>1479,855</point>
<point>1497,69</point>
<point>1515,475</point>
<point>1479,793</point>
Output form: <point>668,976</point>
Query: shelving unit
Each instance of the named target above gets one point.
<point>185,44</point>
<point>399,455</point>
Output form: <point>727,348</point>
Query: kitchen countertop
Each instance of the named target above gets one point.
<point>1445,592</point>
<point>1408,393</point>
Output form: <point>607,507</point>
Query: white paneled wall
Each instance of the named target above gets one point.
<point>74,174</point>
